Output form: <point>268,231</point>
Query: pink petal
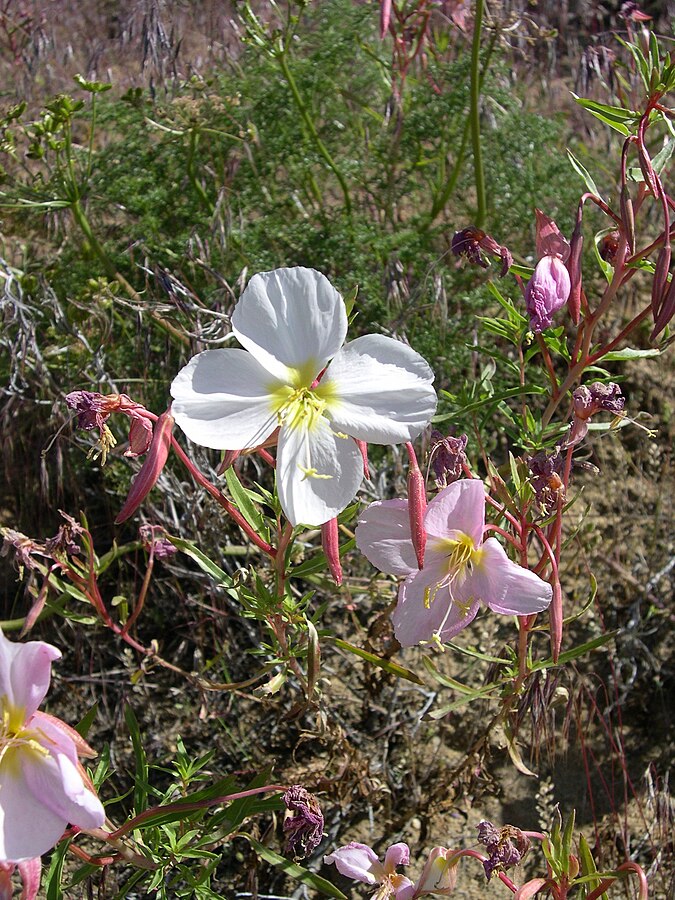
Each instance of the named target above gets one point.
<point>82,748</point>
<point>28,828</point>
<point>503,585</point>
<point>397,855</point>
<point>30,872</point>
<point>458,507</point>
<point>550,241</point>
<point>383,536</point>
<point>56,779</point>
<point>25,672</point>
<point>404,888</point>
<point>414,622</point>
<point>357,861</point>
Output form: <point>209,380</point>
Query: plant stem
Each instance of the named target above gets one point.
<point>474,115</point>
<point>307,119</point>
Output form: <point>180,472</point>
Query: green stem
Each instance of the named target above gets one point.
<point>474,116</point>
<point>307,119</point>
<point>192,171</point>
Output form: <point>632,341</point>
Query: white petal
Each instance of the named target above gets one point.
<point>318,473</point>
<point>27,827</point>
<point>383,389</point>
<point>504,586</point>
<point>222,400</point>
<point>383,536</point>
<point>291,318</point>
<point>424,609</point>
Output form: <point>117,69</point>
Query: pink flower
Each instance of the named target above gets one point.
<point>461,570</point>
<point>360,862</point>
<point>549,288</point>
<point>42,785</point>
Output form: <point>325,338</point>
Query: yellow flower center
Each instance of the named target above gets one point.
<point>297,404</point>
<point>461,556</point>
<point>16,739</point>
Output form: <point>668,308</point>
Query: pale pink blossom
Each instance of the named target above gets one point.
<point>461,570</point>
<point>549,288</point>
<point>43,787</point>
<point>360,862</point>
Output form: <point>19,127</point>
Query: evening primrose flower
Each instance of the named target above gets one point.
<point>294,375</point>
<point>42,785</point>
<point>360,862</point>
<point>461,570</point>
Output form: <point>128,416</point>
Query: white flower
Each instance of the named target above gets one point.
<point>295,375</point>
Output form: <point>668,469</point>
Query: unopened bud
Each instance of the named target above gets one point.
<point>151,469</point>
<point>628,217</point>
<point>574,269</point>
<point>363,447</point>
<point>331,548</point>
<point>417,505</point>
<point>660,283</point>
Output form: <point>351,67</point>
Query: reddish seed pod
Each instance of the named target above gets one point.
<point>331,547</point>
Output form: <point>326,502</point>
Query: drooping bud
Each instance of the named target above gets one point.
<point>303,824</point>
<point>506,845</point>
<point>155,540</point>
<point>151,469</point>
<point>547,291</point>
<point>331,549</point>
<point>417,505</point>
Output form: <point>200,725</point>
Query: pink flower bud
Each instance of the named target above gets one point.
<point>151,469</point>
<point>140,435</point>
<point>417,505</point>
<point>331,547</point>
<point>363,447</point>
<point>385,16</point>
<point>546,292</point>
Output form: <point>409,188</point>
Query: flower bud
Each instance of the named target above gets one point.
<point>331,548</point>
<point>574,269</point>
<point>417,505</point>
<point>547,291</point>
<point>151,469</point>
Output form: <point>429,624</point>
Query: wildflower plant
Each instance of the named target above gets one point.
<point>275,432</point>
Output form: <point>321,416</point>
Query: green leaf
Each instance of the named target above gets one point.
<point>494,399</point>
<point>245,501</point>
<point>52,881</point>
<point>662,157</point>
<point>386,664</point>
<point>141,774</point>
<point>576,652</point>
<point>629,353</point>
<point>295,871</point>
<point>205,564</point>
<point>615,116</point>
<point>87,720</point>
<point>94,87</point>
<point>476,694</point>
<point>583,171</point>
